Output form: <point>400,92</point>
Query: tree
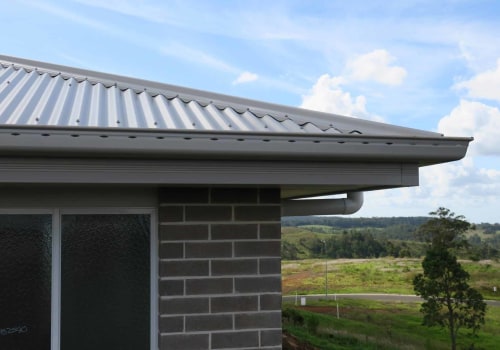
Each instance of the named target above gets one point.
<point>449,301</point>
<point>446,231</point>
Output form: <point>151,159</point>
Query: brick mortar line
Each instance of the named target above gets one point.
<point>223,331</point>
<point>218,222</point>
<point>239,204</point>
<point>217,277</point>
<point>225,240</point>
<point>218,295</point>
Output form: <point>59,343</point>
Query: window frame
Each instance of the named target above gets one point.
<point>57,214</point>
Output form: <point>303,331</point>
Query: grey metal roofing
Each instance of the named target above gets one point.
<point>90,112</point>
<point>40,94</point>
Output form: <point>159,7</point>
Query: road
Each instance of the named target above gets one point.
<point>378,297</point>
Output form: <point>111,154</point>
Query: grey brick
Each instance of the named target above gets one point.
<point>183,195</point>
<point>270,196</point>
<point>234,231</point>
<point>234,303</point>
<point>258,320</point>
<point>257,284</point>
<point>270,302</point>
<point>270,231</point>
<point>184,268</point>
<point>171,213</point>
<point>183,232</point>
<point>234,195</point>
<point>182,306</point>
<point>209,250</point>
<point>271,338</point>
<point>171,287</point>
<point>171,324</point>
<point>209,213</point>
<point>257,213</point>
<point>270,266</point>
<point>209,286</point>
<point>184,341</point>
<point>235,340</point>
<point>234,267</point>
<point>171,250</point>
<point>257,249</point>
<point>209,323</point>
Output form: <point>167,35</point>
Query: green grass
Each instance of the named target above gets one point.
<point>384,275</point>
<point>370,325</point>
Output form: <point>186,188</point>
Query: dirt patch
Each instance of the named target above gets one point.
<point>292,343</point>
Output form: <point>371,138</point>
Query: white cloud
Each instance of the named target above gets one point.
<point>475,119</point>
<point>245,77</point>
<point>190,54</point>
<point>460,186</point>
<point>327,96</point>
<point>485,85</point>
<point>376,66</point>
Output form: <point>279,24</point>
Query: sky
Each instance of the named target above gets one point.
<point>432,65</point>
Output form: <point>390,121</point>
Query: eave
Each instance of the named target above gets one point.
<point>206,145</point>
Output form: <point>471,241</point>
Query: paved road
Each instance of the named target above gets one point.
<point>379,297</point>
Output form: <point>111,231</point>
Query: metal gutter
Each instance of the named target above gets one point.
<point>117,142</point>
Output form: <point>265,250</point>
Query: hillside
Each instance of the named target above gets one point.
<point>335,237</point>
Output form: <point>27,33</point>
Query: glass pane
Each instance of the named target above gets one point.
<point>105,282</point>
<point>25,281</point>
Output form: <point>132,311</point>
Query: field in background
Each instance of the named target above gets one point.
<point>382,275</point>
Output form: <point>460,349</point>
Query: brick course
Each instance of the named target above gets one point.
<point>220,284</point>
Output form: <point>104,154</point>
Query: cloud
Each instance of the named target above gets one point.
<point>485,85</point>
<point>245,77</point>
<point>376,66</point>
<point>459,186</point>
<point>471,118</point>
<point>327,95</point>
<point>141,9</point>
<point>190,54</point>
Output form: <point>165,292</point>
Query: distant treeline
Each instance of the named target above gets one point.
<point>336,237</point>
<point>340,222</point>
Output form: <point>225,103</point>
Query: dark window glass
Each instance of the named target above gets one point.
<point>25,281</point>
<point>105,282</point>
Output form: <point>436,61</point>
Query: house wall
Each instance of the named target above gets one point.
<point>220,271</point>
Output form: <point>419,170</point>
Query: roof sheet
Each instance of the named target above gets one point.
<point>40,94</point>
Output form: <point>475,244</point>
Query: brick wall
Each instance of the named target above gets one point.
<point>220,274</point>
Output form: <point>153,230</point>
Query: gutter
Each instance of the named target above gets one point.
<point>337,206</point>
<point>115,142</point>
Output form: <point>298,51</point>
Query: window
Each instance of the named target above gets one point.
<point>78,280</point>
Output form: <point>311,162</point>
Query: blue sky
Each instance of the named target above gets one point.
<point>432,65</point>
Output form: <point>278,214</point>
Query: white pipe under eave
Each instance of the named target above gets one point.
<point>336,206</point>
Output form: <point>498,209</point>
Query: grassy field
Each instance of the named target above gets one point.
<point>369,325</point>
<point>384,275</point>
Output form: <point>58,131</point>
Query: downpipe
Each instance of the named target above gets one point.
<point>336,206</point>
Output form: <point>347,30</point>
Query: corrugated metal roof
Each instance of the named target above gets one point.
<point>32,97</point>
<point>40,94</point>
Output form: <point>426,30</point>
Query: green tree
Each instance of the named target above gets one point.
<point>449,301</point>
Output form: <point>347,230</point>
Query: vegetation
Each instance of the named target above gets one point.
<point>370,325</point>
<point>373,238</point>
<point>449,300</point>
<point>377,255</point>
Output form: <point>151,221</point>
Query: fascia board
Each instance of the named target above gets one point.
<point>210,145</point>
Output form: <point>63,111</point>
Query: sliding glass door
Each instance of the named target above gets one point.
<point>25,281</point>
<point>76,280</point>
